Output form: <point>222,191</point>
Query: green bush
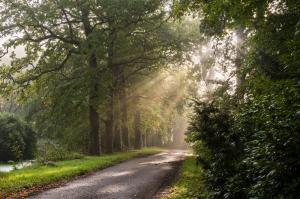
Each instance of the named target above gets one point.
<point>250,149</point>
<point>270,130</point>
<point>217,147</point>
<point>51,152</point>
<point>17,139</point>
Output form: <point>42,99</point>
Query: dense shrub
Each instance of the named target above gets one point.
<point>270,127</point>
<point>48,152</point>
<point>217,147</point>
<point>251,149</point>
<point>17,139</point>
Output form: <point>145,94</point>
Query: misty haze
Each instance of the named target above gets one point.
<point>150,99</point>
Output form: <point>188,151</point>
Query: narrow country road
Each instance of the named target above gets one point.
<point>138,178</point>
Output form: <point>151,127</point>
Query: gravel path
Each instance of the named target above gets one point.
<point>138,178</point>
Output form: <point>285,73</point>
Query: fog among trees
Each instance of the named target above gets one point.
<point>87,77</point>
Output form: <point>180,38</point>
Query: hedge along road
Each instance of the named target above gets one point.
<point>138,178</point>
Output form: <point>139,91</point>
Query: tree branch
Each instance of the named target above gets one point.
<point>41,73</point>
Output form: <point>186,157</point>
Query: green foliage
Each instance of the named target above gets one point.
<point>17,139</point>
<point>248,141</point>
<point>250,150</point>
<point>268,125</point>
<point>48,153</point>
<point>218,148</point>
<point>55,79</point>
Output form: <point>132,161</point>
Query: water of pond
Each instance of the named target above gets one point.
<point>8,168</point>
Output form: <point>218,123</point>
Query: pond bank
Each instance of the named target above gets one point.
<point>11,167</point>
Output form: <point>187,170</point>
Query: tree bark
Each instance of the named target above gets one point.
<point>117,139</point>
<point>111,105</point>
<point>94,140</point>
<point>124,112</point>
<point>103,139</point>
<point>240,56</point>
<point>116,109</point>
<point>144,140</point>
<point>137,127</point>
<point>148,138</point>
<point>94,143</point>
<point>109,127</point>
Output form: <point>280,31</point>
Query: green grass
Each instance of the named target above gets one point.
<point>190,184</point>
<point>40,175</point>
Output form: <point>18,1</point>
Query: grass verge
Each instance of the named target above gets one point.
<point>63,170</point>
<point>190,184</point>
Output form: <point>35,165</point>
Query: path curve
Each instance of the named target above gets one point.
<point>139,178</point>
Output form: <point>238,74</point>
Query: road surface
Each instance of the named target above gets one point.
<point>138,178</point>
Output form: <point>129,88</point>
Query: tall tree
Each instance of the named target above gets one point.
<point>136,43</point>
<point>54,35</point>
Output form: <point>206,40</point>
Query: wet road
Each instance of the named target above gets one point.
<point>138,178</point>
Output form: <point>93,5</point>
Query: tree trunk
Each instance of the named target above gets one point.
<point>148,139</point>
<point>109,127</point>
<point>144,140</point>
<point>137,127</point>
<point>111,104</point>
<point>160,140</point>
<point>153,139</point>
<point>116,108</point>
<point>94,148</point>
<point>103,139</point>
<point>117,139</point>
<point>157,140</point>
<point>124,112</point>
<point>240,56</point>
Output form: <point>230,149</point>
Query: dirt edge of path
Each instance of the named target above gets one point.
<point>169,181</point>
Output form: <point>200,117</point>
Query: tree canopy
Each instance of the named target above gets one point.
<point>112,75</point>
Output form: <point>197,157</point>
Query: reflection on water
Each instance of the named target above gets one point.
<point>8,168</point>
